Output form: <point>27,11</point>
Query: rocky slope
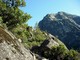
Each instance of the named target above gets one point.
<point>11,48</point>
<point>64,26</point>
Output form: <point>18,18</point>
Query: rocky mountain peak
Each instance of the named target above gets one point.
<point>65,26</point>
<point>61,15</point>
<point>50,17</point>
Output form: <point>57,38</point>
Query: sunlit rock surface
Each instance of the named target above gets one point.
<point>11,48</point>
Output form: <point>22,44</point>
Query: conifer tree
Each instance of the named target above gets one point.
<point>10,13</point>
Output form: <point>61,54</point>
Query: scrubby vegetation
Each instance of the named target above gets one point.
<point>30,37</point>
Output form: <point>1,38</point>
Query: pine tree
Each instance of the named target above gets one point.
<point>11,15</point>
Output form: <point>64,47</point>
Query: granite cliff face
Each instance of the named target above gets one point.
<point>64,26</point>
<point>11,48</point>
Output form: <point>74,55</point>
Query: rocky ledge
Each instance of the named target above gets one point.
<point>11,48</point>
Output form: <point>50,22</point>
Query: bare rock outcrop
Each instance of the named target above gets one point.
<point>11,48</point>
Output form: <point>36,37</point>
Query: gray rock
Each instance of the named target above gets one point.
<point>12,49</point>
<point>49,44</point>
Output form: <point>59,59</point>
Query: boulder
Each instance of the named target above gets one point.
<point>49,43</point>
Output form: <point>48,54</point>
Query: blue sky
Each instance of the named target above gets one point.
<point>39,8</point>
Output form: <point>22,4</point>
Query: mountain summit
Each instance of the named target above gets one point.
<point>63,25</point>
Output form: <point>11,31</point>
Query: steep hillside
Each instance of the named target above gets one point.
<point>11,48</point>
<point>64,26</point>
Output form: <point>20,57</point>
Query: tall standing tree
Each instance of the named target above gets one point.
<point>11,15</point>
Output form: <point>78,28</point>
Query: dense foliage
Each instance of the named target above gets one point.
<point>10,13</point>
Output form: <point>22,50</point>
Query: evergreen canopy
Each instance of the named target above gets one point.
<point>10,13</point>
